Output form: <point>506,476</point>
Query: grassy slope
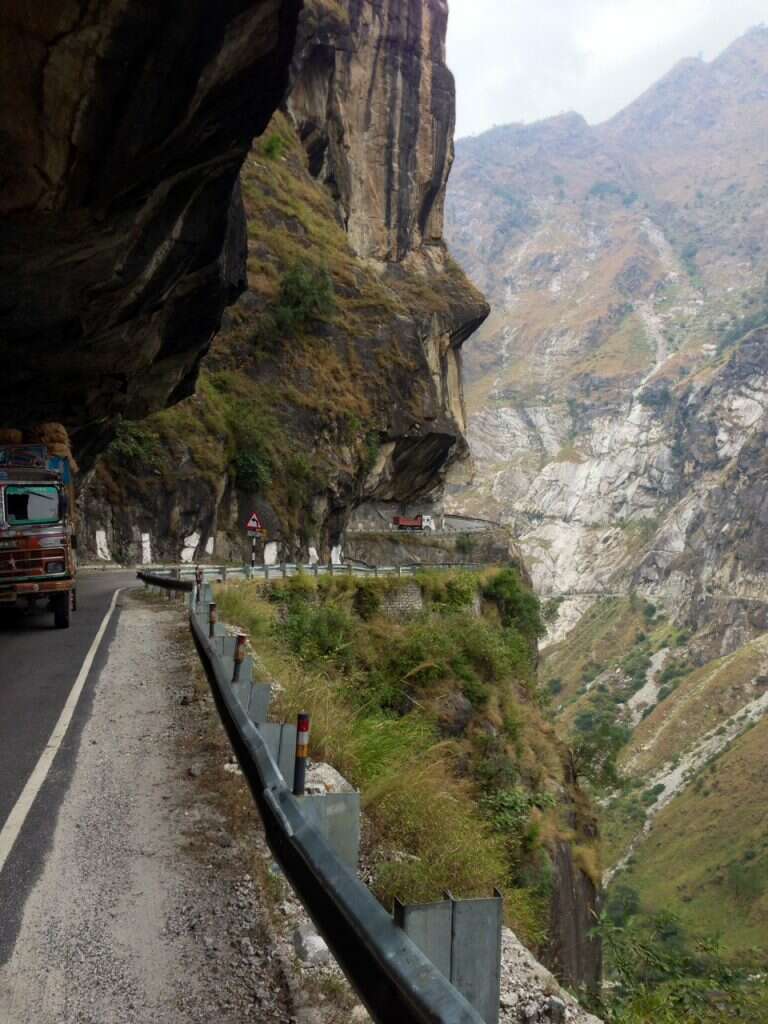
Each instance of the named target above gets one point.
<point>707,857</point>
<point>437,719</point>
<point>606,632</point>
<point>704,699</point>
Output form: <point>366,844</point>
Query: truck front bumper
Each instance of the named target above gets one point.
<point>9,592</point>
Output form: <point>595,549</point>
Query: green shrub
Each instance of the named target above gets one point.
<point>136,444</point>
<point>317,634</point>
<point>366,601</point>
<point>371,449</point>
<point>273,146</point>
<point>253,471</point>
<point>518,605</point>
<point>306,294</point>
<point>656,396</point>
<point>551,609</point>
<point>465,544</point>
<point>623,902</point>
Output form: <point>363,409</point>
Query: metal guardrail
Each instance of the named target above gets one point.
<point>286,569</point>
<point>167,582</point>
<point>393,978</point>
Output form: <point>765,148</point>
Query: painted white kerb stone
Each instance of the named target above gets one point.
<point>102,548</point>
<point>190,547</point>
<point>270,553</point>
<point>146,549</point>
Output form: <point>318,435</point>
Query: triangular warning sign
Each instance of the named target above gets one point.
<point>254,523</point>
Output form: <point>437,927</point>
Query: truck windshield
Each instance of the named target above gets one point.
<point>30,506</point>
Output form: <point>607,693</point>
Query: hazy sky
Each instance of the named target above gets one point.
<point>521,60</point>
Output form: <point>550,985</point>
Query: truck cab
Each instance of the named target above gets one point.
<point>37,561</point>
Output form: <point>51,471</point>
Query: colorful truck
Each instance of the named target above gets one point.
<point>413,522</point>
<point>37,558</point>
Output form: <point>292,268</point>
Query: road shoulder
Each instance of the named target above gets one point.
<point>144,910</point>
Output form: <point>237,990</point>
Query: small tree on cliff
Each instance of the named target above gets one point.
<point>306,294</point>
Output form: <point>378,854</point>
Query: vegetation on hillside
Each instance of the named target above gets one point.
<point>662,974</point>
<point>435,715</point>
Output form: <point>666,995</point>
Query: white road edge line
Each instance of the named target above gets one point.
<point>17,817</point>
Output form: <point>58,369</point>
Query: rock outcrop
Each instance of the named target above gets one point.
<point>363,399</point>
<point>373,102</point>
<point>123,130</point>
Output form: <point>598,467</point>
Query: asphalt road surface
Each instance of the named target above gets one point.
<point>39,666</point>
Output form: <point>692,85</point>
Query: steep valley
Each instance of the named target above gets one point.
<point>302,357</point>
<point>229,271</point>
<point>618,416</point>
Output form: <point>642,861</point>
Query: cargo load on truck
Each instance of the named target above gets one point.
<point>37,521</point>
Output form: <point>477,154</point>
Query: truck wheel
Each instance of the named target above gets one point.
<point>61,610</point>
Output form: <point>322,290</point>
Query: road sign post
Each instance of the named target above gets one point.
<point>254,528</point>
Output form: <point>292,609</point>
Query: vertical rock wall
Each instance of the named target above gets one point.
<point>374,101</point>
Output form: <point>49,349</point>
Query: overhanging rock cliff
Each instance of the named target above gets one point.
<point>123,129</point>
<point>362,398</point>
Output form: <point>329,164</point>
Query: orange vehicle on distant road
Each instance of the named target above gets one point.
<point>37,542</point>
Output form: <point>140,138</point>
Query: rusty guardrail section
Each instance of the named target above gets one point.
<point>394,979</point>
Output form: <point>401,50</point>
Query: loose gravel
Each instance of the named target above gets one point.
<point>143,913</point>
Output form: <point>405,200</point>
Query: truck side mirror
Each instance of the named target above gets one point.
<point>74,542</point>
<point>63,504</point>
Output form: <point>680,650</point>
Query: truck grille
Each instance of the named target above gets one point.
<point>15,564</point>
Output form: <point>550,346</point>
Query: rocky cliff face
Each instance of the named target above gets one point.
<point>124,128</point>
<point>625,263</point>
<point>373,102</point>
<point>618,415</point>
<point>303,417</point>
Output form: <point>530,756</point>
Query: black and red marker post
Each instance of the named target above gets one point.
<point>302,753</point>
<point>198,584</point>
<point>212,619</point>
<point>239,655</point>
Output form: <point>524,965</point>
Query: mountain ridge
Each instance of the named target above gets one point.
<point>618,414</point>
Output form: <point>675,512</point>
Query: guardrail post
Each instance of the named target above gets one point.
<point>266,571</point>
<point>212,617</point>
<point>462,938</point>
<point>315,569</point>
<point>302,752</point>
<point>239,656</point>
<point>399,570</point>
<point>330,568</point>
<point>223,574</point>
<point>284,570</point>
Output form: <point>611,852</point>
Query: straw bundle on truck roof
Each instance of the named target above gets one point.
<point>49,433</point>
<point>10,436</point>
<point>55,438</point>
